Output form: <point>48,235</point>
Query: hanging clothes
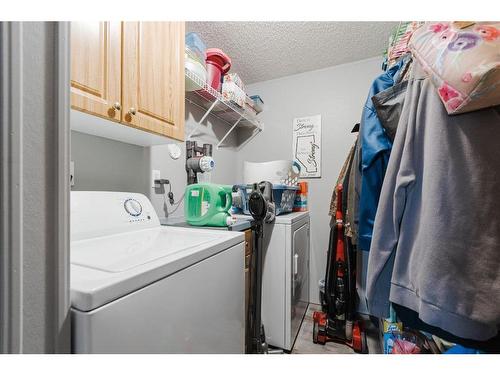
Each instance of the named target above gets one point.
<point>389,104</point>
<point>375,151</point>
<point>343,172</point>
<point>437,229</point>
<point>353,191</point>
<point>347,178</point>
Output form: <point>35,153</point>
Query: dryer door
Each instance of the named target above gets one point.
<point>300,277</point>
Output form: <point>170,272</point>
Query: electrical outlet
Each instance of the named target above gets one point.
<point>72,173</point>
<point>155,175</point>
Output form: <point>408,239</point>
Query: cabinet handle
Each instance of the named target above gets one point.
<point>132,111</point>
<point>117,106</point>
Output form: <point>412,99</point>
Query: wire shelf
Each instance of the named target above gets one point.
<point>214,104</point>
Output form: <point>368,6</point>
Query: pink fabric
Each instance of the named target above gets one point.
<point>464,63</point>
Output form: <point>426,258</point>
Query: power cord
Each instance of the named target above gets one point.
<point>163,182</point>
<point>170,195</point>
<point>177,205</point>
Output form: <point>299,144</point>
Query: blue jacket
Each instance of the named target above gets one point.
<point>375,150</point>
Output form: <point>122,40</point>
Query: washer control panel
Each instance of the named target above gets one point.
<point>100,213</point>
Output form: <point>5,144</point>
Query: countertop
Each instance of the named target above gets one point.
<point>242,224</point>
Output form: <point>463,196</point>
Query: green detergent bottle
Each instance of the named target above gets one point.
<point>208,205</point>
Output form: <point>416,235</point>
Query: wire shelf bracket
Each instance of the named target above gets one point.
<point>198,124</point>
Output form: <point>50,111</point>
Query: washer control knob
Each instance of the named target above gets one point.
<point>133,207</point>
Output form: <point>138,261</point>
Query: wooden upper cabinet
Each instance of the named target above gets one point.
<point>153,77</point>
<point>96,68</point>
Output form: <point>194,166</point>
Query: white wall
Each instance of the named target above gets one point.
<point>337,94</point>
<point>108,165</point>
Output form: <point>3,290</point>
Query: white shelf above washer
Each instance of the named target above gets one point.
<point>214,104</point>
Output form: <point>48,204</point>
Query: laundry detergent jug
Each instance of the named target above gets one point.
<point>208,205</point>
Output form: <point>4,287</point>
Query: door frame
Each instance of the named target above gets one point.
<point>11,185</point>
<point>13,88</point>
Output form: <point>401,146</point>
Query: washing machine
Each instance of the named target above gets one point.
<point>139,287</point>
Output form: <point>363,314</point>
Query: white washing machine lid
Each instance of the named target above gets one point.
<point>109,267</point>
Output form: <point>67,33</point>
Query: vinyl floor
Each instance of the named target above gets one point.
<point>304,344</point>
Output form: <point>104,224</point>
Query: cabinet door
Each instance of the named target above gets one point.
<point>96,68</point>
<point>153,77</point>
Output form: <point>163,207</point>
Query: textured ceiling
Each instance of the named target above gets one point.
<point>267,50</point>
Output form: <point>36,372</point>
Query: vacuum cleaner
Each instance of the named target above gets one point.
<point>198,160</point>
<point>336,320</point>
<point>262,209</point>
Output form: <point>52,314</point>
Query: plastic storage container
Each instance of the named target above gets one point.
<point>233,89</point>
<point>199,70</point>
<point>258,103</point>
<point>234,77</point>
<point>208,205</point>
<point>283,196</point>
<point>218,64</point>
<point>195,48</point>
<point>194,61</point>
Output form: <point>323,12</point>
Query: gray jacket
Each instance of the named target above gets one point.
<point>436,239</point>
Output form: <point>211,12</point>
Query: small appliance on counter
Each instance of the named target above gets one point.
<point>208,205</point>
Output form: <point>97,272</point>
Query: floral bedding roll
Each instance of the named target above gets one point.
<point>463,61</point>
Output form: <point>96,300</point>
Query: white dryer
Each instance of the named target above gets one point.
<point>285,279</point>
<point>138,287</point>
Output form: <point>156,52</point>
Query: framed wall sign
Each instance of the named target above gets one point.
<point>307,145</point>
